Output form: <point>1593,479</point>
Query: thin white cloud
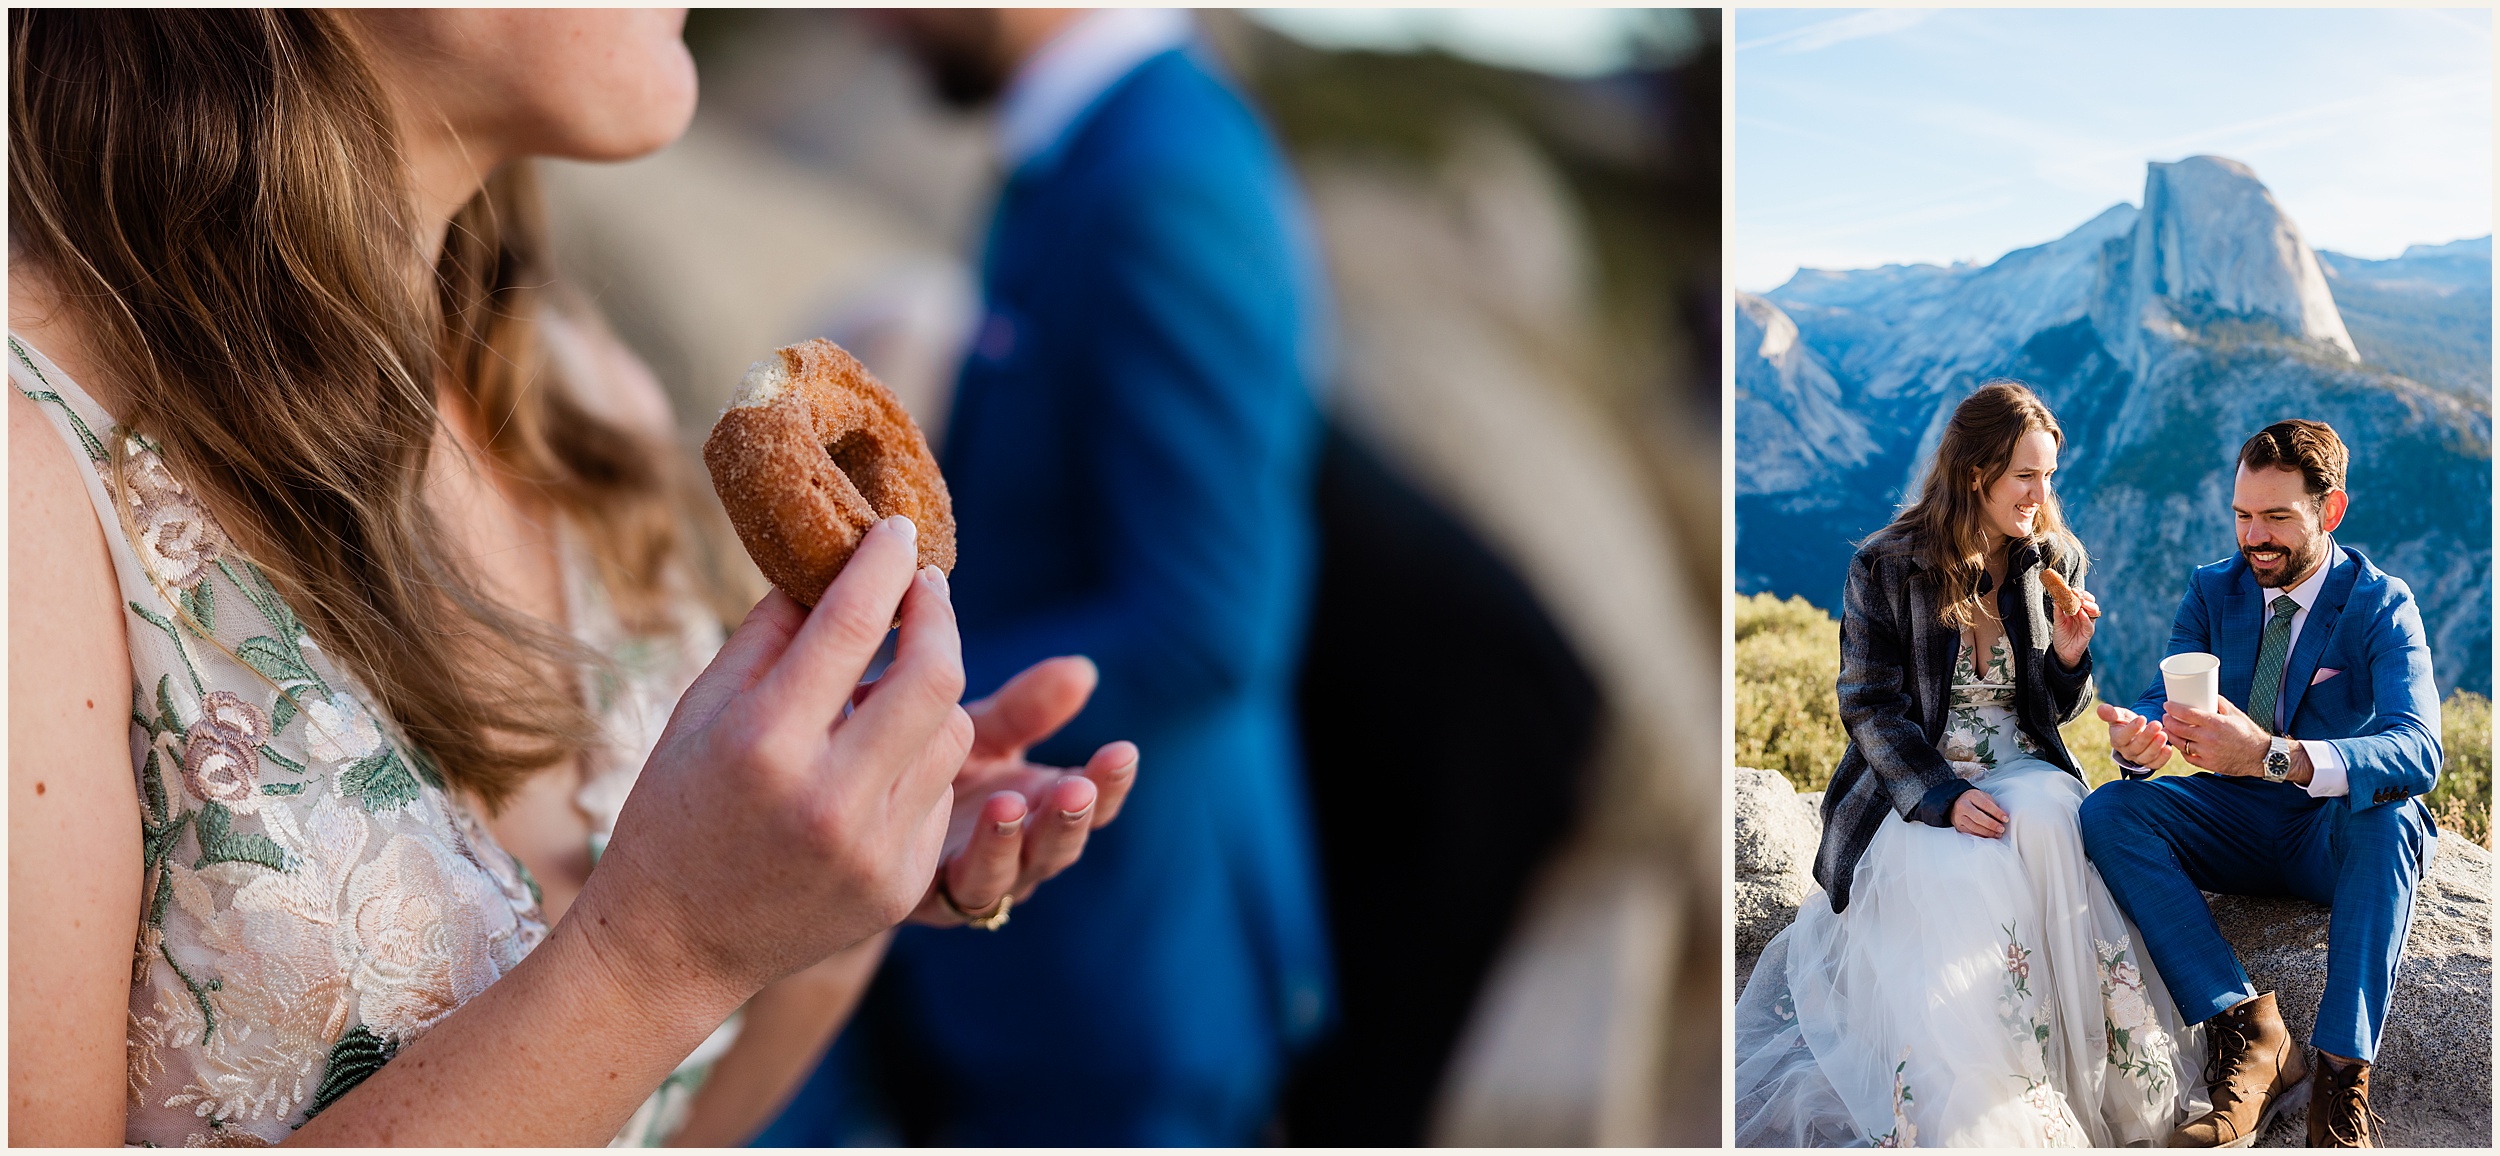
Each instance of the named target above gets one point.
<point>1841,29</point>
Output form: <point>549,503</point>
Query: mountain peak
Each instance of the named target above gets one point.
<point>1788,404</point>
<point>2212,241</point>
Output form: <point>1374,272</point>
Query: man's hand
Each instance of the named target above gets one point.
<point>2223,740</point>
<point>2137,739</point>
<point>1976,813</point>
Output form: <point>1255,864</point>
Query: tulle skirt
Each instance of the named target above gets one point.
<point>1977,993</point>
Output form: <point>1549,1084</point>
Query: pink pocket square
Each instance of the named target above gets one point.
<point>2324,673</point>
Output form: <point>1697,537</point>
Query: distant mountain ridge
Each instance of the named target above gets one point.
<point>2162,335</point>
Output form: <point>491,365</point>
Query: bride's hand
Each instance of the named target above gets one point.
<point>1016,823</point>
<point>1975,812</point>
<point>769,829</point>
<point>2071,634</point>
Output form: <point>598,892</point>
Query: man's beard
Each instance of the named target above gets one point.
<point>2297,563</point>
<point>961,52</point>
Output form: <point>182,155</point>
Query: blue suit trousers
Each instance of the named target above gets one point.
<point>2158,842</point>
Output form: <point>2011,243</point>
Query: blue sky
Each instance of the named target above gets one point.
<point>1861,138</point>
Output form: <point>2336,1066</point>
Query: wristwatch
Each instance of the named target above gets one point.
<point>2278,759</point>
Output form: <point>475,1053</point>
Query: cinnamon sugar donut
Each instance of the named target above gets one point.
<point>2068,602</point>
<point>813,451</point>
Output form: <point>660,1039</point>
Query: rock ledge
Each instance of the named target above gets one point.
<point>2432,1083</point>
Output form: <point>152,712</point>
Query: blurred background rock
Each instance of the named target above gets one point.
<point>1519,501</point>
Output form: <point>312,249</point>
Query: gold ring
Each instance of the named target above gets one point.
<point>992,920</point>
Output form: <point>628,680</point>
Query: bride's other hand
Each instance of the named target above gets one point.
<point>769,829</point>
<point>1017,823</point>
<point>2071,634</point>
<point>2137,739</point>
<point>1977,813</point>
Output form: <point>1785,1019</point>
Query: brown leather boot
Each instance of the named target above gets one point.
<point>2255,1071</point>
<point>2339,1105</point>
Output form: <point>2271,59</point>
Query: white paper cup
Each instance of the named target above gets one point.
<point>2192,679</point>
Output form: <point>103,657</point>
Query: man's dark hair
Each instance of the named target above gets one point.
<point>2297,444</point>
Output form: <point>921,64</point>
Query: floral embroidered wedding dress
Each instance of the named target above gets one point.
<point>314,899</point>
<point>1977,992</point>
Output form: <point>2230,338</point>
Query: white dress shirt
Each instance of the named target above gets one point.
<point>2326,764</point>
<point>1054,87</point>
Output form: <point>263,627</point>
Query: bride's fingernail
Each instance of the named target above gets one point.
<point>904,526</point>
<point>1008,830</point>
<point>1075,816</point>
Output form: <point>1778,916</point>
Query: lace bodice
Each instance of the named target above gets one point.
<point>1979,713</point>
<point>315,899</point>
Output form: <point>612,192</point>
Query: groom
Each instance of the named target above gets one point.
<point>2312,790</point>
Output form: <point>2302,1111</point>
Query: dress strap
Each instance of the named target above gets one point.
<point>83,423</point>
<point>89,432</point>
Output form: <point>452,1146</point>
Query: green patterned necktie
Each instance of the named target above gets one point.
<point>2271,651</point>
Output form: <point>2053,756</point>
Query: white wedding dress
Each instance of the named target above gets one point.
<point>1977,992</point>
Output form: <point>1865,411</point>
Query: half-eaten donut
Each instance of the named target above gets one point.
<point>810,454</point>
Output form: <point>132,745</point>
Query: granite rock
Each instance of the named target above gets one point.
<point>2432,1082</point>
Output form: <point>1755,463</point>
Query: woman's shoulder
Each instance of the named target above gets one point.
<point>1887,548</point>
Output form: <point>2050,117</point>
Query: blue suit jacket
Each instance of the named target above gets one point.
<point>2381,712</point>
<point>1131,455</point>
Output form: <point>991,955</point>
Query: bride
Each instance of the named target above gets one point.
<point>376,775</point>
<point>1964,978</point>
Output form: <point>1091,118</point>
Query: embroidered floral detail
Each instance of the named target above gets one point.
<point>2062,1129</point>
<point>221,755</point>
<point>251,1065</point>
<point>337,730</point>
<point>1904,1134</point>
<point>407,911</point>
<point>145,1037</point>
<point>175,536</point>
<point>2029,1019</point>
<point>1980,713</point>
<point>2138,1047</point>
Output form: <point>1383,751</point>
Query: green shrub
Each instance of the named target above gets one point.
<point>1788,716</point>
<point>1787,707</point>
<point>2087,739</point>
<point>2462,801</point>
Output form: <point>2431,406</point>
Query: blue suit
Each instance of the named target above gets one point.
<point>1131,456</point>
<point>2158,841</point>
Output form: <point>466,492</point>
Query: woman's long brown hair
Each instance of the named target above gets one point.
<point>1943,525</point>
<point>220,198</point>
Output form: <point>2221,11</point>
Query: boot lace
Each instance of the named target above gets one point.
<point>2232,1037</point>
<point>2349,1118</point>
